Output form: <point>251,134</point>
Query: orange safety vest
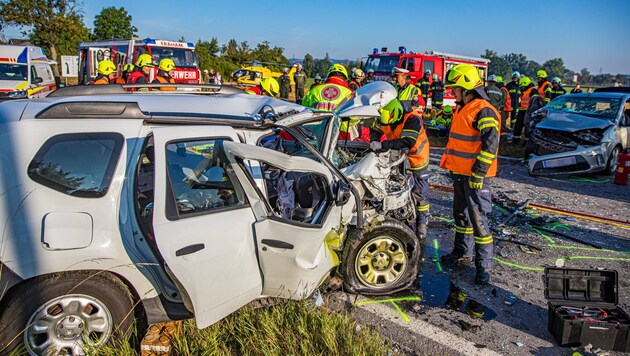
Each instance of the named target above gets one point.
<point>120,81</point>
<point>508,100</point>
<point>525,97</point>
<point>419,154</point>
<point>541,88</point>
<point>165,81</point>
<point>101,81</point>
<point>464,140</point>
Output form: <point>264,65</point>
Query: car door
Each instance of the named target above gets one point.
<point>203,221</point>
<point>295,256</point>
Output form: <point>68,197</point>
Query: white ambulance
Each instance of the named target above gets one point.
<point>25,72</point>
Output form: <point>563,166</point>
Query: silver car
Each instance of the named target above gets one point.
<point>580,133</point>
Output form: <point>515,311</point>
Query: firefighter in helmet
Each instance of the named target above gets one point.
<point>556,89</point>
<point>528,91</point>
<point>357,79</point>
<point>544,87</point>
<point>332,93</point>
<point>164,74</point>
<point>268,86</point>
<point>106,73</point>
<point>471,159</point>
<point>141,73</point>
<point>424,84</point>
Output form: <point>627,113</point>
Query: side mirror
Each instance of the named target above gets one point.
<point>342,194</point>
<point>37,80</point>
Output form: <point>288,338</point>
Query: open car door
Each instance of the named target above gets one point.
<point>295,242</point>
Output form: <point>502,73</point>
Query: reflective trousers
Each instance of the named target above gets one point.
<point>421,194</point>
<point>471,208</point>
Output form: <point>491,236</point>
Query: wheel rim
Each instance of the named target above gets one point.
<point>64,324</point>
<point>380,262</point>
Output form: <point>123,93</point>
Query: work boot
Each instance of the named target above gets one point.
<point>455,260</point>
<point>421,231</point>
<point>482,277</point>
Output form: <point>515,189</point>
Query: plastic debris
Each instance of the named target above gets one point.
<point>319,301</point>
<point>519,344</point>
<point>560,262</point>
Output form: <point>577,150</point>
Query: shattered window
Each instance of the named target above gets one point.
<point>603,108</point>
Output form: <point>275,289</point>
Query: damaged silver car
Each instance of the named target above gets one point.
<point>579,133</point>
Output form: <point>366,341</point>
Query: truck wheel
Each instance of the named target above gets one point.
<point>58,314</point>
<point>613,159</point>
<point>381,261</point>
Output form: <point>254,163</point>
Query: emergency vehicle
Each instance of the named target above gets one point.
<point>417,63</point>
<point>25,72</point>
<point>123,52</point>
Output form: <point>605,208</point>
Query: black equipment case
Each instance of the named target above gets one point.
<point>583,308</point>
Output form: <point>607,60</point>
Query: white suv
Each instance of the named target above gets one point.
<point>118,200</point>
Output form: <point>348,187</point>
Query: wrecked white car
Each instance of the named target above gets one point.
<point>579,133</point>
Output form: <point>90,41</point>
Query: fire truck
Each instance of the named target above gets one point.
<point>122,52</point>
<point>417,63</point>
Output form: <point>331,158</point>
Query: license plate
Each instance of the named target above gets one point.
<point>559,162</point>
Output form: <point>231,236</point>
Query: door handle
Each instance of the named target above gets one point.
<point>278,244</point>
<point>189,249</point>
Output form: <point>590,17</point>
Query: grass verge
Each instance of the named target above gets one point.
<point>288,328</point>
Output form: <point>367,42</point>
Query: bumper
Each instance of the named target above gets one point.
<point>582,160</point>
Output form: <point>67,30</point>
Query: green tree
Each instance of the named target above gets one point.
<point>308,65</point>
<point>206,53</point>
<point>265,53</point>
<point>48,23</point>
<point>113,23</point>
<point>585,75</point>
<point>321,66</point>
<point>238,54</point>
<point>517,61</point>
<point>555,68</point>
<point>498,65</point>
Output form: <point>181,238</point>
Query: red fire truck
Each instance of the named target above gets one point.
<point>417,63</point>
<point>122,52</point>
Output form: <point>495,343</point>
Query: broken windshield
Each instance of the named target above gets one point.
<point>602,108</point>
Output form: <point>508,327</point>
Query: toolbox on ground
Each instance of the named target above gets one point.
<point>583,308</point>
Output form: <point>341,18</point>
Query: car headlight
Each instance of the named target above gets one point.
<point>18,94</point>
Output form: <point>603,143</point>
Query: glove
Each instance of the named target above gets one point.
<point>376,146</point>
<point>475,181</point>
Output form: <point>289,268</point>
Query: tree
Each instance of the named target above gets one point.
<point>113,23</point>
<point>498,65</point>
<point>585,75</point>
<point>308,65</point>
<point>517,61</point>
<point>48,23</point>
<point>265,53</point>
<point>239,54</point>
<point>555,68</point>
<point>206,53</point>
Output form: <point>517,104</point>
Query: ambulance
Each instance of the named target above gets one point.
<point>123,52</point>
<point>25,72</point>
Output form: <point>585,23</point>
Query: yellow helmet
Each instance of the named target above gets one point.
<point>391,112</point>
<point>145,60</point>
<point>338,68</point>
<point>541,74</point>
<point>358,73</point>
<point>525,81</point>
<point>128,68</point>
<point>463,75</point>
<point>106,67</point>
<point>271,86</point>
<point>166,64</point>
<point>448,109</point>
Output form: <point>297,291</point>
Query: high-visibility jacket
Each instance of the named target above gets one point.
<point>408,96</point>
<point>326,96</point>
<point>419,154</point>
<point>544,89</point>
<point>120,81</point>
<point>162,80</point>
<point>423,84</point>
<point>526,97</point>
<point>554,93</point>
<point>515,93</point>
<point>134,76</point>
<point>101,79</point>
<point>465,142</point>
<point>508,99</point>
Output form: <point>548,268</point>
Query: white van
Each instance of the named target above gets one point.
<point>25,72</point>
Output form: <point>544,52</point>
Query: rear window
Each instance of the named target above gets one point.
<point>78,164</point>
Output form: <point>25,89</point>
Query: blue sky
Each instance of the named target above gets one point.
<point>591,34</point>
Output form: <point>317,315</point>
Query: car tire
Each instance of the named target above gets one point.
<point>613,160</point>
<point>381,260</point>
<point>65,308</point>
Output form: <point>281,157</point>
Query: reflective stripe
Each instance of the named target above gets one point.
<point>487,154</point>
<point>484,160</point>
<point>484,119</point>
<point>463,230</point>
<point>483,240</point>
<point>410,130</point>
<point>490,125</point>
<point>419,167</point>
<point>419,149</point>
<point>495,92</point>
<point>423,208</point>
<point>461,154</point>
<point>466,138</point>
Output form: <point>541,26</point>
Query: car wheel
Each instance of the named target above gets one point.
<point>381,260</point>
<point>57,315</point>
<point>613,160</point>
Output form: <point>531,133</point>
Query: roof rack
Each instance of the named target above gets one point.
<point>457,56</point>
<point>205,89</point>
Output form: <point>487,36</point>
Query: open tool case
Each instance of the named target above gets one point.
<point>583,308</point>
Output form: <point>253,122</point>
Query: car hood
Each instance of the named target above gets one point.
<point>569,122</point>
<point>13,85</point>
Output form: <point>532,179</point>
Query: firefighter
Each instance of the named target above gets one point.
<point>556,89</point>
<point>407,92</point>
<point>370,76</point>
<point>127,70</point>
<point>285,84</point>
<point>106,73</point>
<point>357,79</point>
<point>471,158</point>
<point>515,94</point>
<point>330,94</point>
<point>268,87</point>
<point>316,81</point>
<point>405,131</point>
<point>300,81</point>
<point>142,71</point>
<point>424,84</point>
<point>544,87</point>
<point>507,107</point>
<point>437,92</point>
<point>442,120</point>
<point>164,74</point>
<point>528,90</point>
<point>494,93</point>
